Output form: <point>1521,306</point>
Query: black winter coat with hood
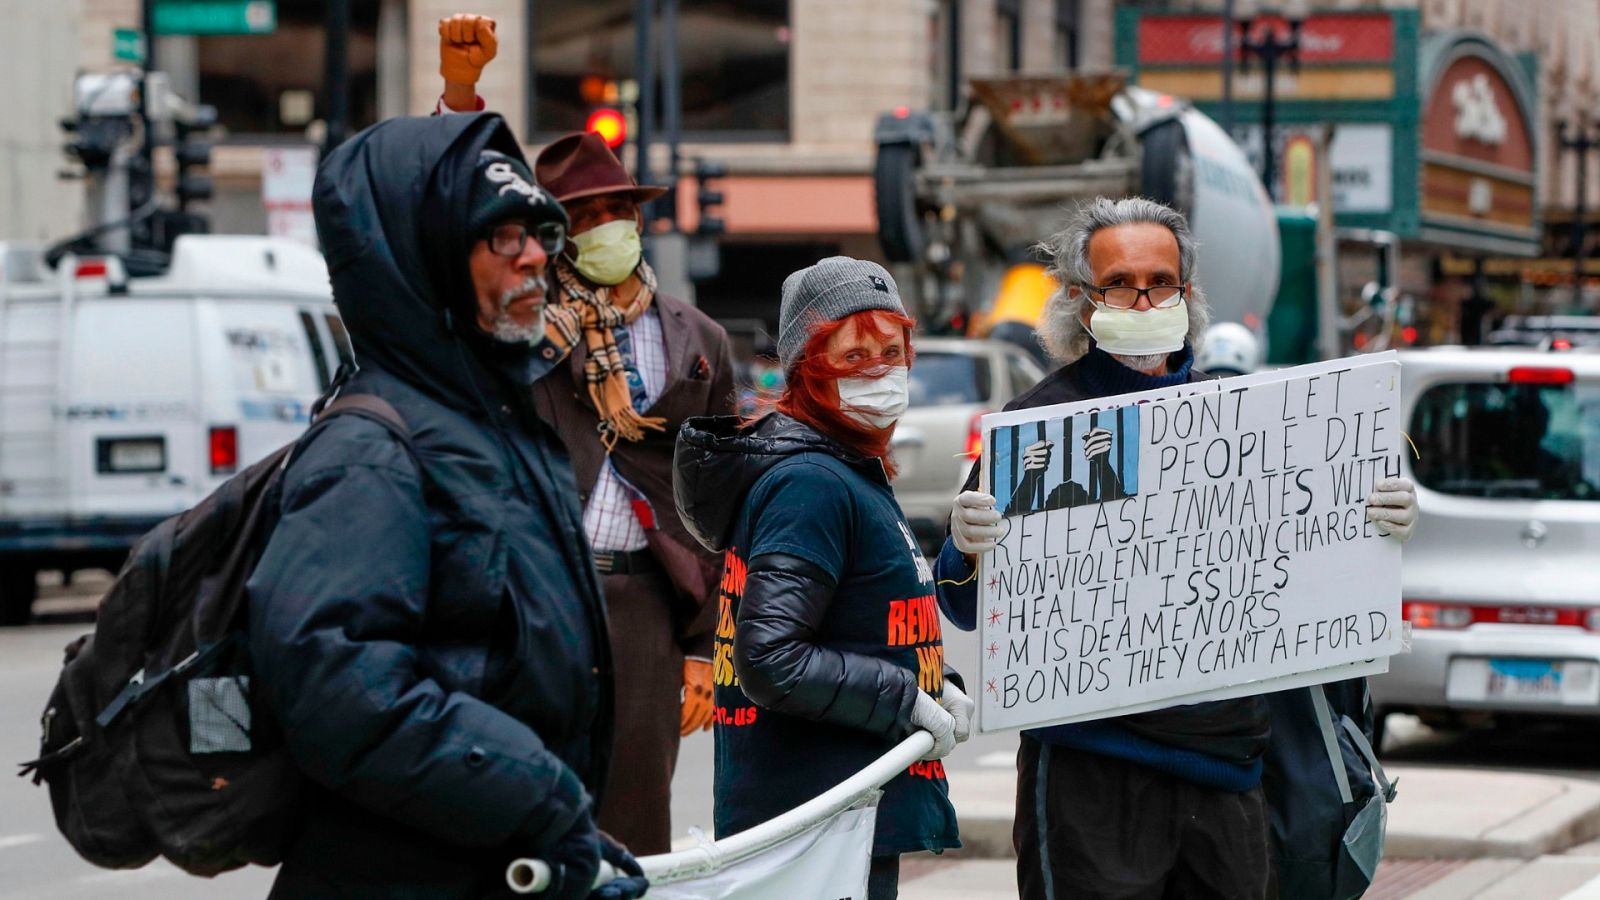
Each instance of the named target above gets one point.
<point>429,631</point>
<point>827,629</point>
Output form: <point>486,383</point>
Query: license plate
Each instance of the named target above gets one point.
<point>1532,679</point>
<point>1564,682</point>
<point>139,455</point>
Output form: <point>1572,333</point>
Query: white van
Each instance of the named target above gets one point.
<point>126,400</point>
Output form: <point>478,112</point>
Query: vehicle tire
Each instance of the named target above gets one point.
<point>900,229</point>
<point>19,586</point>
<point>1166,166</point>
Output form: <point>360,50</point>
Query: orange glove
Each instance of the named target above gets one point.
<point>696,696</point>
<point>466,44</point>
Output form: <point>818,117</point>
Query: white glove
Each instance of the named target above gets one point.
<point>928,715</point>
<point>974,523</point>
<point>1392,508</point>
<point>959,707</point>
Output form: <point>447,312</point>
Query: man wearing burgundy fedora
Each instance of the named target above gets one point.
<point>645,362</point>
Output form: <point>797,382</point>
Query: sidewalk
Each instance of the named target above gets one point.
<point>1453,833</point>
<point>1574,875</point>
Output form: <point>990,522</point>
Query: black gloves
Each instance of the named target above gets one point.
<point>630,882</point>
<point>574,859</point>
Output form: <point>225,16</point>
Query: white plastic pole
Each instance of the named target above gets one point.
<point>529,876</point>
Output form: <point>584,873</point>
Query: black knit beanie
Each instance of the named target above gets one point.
<point>502,189</point>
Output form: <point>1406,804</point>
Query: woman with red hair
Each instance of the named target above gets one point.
<point>828,647</point>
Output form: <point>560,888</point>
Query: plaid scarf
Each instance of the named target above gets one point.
<point>592,314</point>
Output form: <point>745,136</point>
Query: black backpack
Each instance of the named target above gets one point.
<point>1325,790</point>
<point>153,743</point>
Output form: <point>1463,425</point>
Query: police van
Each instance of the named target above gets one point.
<point>126,400</point>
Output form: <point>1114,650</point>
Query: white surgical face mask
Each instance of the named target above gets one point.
<point>876,402</point>
<point>1130,332</point>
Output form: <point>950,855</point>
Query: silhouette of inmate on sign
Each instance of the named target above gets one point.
<point>1059,463</point>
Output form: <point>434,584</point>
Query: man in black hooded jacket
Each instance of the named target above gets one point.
<point>425,623</point>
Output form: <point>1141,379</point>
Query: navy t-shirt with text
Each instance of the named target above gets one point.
<point>819,509</point>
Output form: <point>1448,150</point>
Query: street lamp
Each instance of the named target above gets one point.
<point>1581,140</point>
<point>1264,44</point>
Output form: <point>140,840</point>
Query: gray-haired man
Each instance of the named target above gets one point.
<point>1166,803</point>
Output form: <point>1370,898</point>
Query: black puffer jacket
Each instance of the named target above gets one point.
<point>827,630</point>
<point>433,641</point>
<point>717,461</point>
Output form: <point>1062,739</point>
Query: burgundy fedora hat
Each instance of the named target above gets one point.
<point>580,165</point>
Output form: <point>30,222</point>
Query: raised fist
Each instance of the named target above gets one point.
<point>466,44</point>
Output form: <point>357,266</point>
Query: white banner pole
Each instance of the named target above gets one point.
<point>531,876</point>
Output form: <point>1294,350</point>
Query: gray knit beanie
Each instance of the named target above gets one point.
<point>827,292</point>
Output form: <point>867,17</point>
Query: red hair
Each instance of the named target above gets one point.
<point>811,395</point>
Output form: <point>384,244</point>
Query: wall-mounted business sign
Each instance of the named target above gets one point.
<point>1479,151</point>
<point>1433,136</point>
<point>1342,57</point>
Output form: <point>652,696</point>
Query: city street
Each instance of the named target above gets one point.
<point>37,864</point>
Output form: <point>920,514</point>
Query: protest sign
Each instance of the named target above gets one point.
<point>1193,543</point>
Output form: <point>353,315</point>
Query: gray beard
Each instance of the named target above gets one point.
<point>1142,363</point>
<point>506,330</point>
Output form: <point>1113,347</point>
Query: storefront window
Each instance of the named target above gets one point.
<point>734,56</point>
<point>272,83</point>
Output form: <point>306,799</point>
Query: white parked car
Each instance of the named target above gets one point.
<point>126,400</point>
<point>954,383</point>
<point>1502,582</point>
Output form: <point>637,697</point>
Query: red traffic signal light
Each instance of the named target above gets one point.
<point>609,124</point>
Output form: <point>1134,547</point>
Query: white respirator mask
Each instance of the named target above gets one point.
<point>1130,332</point>
<point>876,402</point>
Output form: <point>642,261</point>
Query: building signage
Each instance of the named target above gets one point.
<point>1478,153</point>
<point>1342,57</point>
<point>1360,159</point>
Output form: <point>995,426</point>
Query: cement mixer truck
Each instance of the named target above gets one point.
<point>963,198</point>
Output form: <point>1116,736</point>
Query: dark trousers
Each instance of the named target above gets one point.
<point>1101,828</point>
<point>883,878</point>
<point>636,808</point>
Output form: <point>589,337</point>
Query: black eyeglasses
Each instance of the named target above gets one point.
<point>1161,296</point>
<point>508,239</point>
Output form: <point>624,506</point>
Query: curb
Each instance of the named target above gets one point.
<point>1553,815</point>
<point>1451,814</point>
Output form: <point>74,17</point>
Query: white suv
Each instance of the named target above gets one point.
<point>1502,583</point>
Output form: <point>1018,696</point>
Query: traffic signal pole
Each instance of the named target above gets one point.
<point>644,13</point>
<point>336,75</point>
<point>672,106</point>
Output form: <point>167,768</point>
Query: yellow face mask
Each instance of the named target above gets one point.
<point>608,254</point>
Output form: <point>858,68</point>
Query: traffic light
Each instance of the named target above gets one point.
<point>192,151</point>
<point>708,198</point>
<point>609,124</point>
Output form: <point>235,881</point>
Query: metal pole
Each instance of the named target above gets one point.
<point>531,59</point>
<point>672,104</point>
<point>1270,50</point>
<point>122,239</point>
<point>644,12</point>
<point>1269,62</point>
<point>1582,145</point>
<point>336,75</point>
<point>1227,67</point>
<point>952,48</point>
<point>147,23</point>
